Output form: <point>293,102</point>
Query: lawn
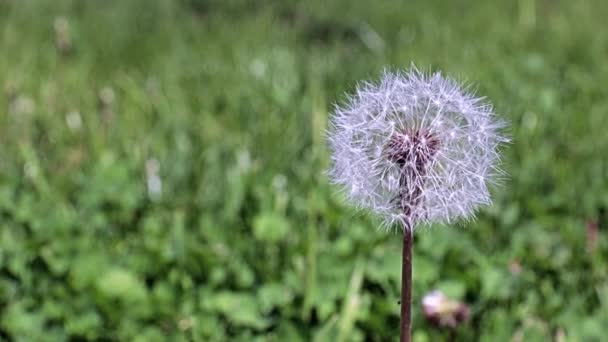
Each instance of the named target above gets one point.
<point>163,171</point>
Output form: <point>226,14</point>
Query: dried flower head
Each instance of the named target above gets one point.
<point>415,148</point>
<point>443,311</point>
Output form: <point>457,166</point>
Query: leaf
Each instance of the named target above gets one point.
<point>453,289</point>
<point>240,308</point>
<point>274,295</point>
<point>119,283</point>
<point>270,227</point>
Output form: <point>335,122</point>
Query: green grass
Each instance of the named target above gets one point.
<point>248,241</point>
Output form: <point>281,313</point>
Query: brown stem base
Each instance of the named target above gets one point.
<point>406,285</point>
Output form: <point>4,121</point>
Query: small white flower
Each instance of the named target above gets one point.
<point>74,121</point>
<point>415,148</point>
<point>443,311</point>
<point>153,181</point>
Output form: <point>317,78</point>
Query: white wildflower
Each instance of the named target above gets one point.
<point>415,148</point>
<point>74,121</point>
<point>153,180</point>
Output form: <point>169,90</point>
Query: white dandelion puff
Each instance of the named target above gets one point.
<point>415,148</point>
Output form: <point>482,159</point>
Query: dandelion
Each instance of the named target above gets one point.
<point>415,149</point>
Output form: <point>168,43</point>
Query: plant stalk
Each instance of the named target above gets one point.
<point>406,285</point>
<point>411,151</point>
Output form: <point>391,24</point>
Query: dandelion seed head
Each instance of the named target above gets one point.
<point>415,148</point>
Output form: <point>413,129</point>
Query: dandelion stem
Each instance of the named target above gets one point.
<point>406,285</point>
<point>404,151</point>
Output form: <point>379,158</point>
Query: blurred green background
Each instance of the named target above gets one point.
<point>162,171</point>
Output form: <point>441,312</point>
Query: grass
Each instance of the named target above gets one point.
<point>247,241</point>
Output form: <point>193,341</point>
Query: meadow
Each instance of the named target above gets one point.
<point>163,171</point>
